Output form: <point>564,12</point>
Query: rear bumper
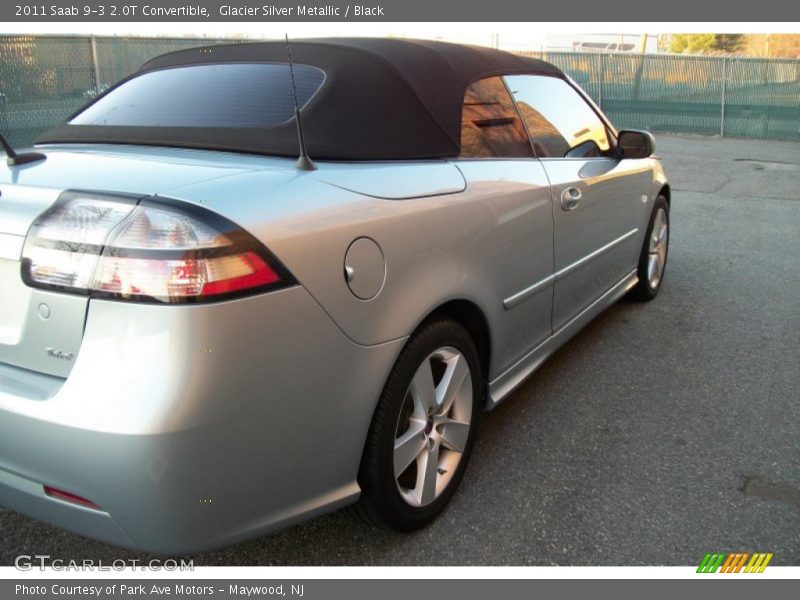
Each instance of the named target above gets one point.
<point>194,426</point>
<point>28,497</point>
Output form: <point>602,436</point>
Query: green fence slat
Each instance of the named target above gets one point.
<point>684,94</point>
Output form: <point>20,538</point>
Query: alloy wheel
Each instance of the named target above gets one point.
<point>657,249</point>
<point>433,426</point>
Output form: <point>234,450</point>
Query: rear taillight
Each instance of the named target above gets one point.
<point>145,250</point>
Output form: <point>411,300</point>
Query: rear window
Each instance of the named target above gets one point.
<point>215,95</point>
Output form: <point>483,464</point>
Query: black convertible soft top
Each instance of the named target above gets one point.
<point>382,99</point>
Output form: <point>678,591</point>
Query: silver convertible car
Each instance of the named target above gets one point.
<point>254,283</point>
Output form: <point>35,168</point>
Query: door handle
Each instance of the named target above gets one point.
<point>570,198</point>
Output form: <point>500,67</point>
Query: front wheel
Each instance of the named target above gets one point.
<point>423,429</point>
<point>653,258</point>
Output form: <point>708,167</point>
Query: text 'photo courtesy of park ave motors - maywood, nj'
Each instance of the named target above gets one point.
<point>66,590</point>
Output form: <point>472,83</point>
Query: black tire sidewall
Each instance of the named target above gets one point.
<point>379,488</point>
<point>644,290</point>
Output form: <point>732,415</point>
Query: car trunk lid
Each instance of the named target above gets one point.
<point>39,330</point>
<point>42,330</point>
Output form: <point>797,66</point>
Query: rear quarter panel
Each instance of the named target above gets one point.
<point>468,245</point>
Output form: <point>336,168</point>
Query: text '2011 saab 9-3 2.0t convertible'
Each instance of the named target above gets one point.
<point>204,337</point>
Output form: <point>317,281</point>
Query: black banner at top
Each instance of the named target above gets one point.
<point>712,11</point>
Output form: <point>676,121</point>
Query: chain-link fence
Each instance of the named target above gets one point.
<point>43,79</point>
<point>711,95</point>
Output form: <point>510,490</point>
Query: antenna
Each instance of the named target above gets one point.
<point>15,159</point>
<point>304,163</point>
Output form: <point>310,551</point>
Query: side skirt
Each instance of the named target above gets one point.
<point>508,381</point>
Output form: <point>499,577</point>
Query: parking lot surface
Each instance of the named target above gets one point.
<point>661,432</point>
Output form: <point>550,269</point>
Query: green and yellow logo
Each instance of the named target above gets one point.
<point>734,562</point>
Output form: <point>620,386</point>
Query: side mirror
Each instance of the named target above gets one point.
<point>635,144</point>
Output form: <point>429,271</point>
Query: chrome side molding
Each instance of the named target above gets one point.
<point>508,381</point>
<point>528,292</point>
<point>537,287</point>
<point>590,257</point>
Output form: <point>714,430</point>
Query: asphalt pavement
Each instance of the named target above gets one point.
<point>659,433</point>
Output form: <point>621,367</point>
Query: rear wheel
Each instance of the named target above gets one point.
<point>423,429</point>
<point>653,258</point>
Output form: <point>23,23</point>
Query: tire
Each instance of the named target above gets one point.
<point>653,257</point>
<point>422,421</point>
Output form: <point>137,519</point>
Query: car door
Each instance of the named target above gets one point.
<point>510,187</point>
<point>596,196</point>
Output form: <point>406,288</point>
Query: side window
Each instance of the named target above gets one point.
<point>560,122</point>
<point>490,124</point>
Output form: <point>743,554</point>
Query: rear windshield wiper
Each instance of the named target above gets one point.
<point>15,159</point>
